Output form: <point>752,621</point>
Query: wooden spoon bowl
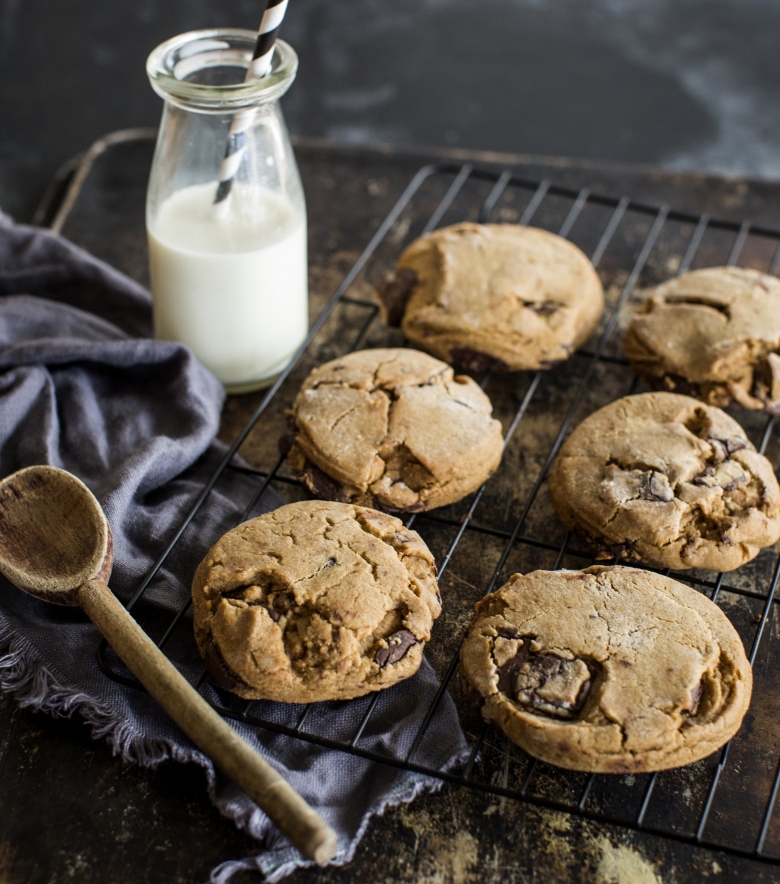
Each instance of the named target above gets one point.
<point>55,543</point>
<point>54,536</point>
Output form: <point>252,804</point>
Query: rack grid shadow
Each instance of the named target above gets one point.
<point>726,801</point>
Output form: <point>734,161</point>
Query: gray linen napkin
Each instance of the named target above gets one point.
<point>83,388</point>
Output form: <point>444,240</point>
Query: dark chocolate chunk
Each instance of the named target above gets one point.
<point>398,643</point>
<point>220,674</point>
<point>321,485</point>
<point>735,483</point>
<point>509,632</point>
<point>724,448</point>
<point>546,308</point>
<point>727,476</point>
<point>705,477</point>
<point>719,449</point>
<point>328,563</point>
<point>655,486</point>
<point>695,697</point>
<point>507,673</point>
<point>394,294</point>
<point>475,361</point>
<point>281,603</point>
<point>384,508</point>
<point>552,685</point>
<point>735,444</point>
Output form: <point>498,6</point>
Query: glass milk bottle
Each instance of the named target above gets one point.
<point>227,257</point>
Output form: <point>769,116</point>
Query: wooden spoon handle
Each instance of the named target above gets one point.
<point>208,730</point>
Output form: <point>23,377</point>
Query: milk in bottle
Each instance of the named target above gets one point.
<point>233,288</point>
<point>229,277</point>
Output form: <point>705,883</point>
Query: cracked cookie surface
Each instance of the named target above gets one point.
<point>610,669</point>
<point>494,297</point>
<point>664,479</point>
<point>314,601</point>
<point>713,334</point>
<point>393,429</point>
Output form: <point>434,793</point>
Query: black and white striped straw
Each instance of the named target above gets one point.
<point>258,68</point>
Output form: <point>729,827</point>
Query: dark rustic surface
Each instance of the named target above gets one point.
<point>688,84</point>
<point>69,811</point>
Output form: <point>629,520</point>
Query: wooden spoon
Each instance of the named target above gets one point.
<point>55,543</point>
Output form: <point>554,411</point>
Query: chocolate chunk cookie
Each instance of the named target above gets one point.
<point>393,429</point>
<point>495,297</point>
<point>314,601</point>
<point>663,479</point>
<point>713,334</point>
<point>610,670</point>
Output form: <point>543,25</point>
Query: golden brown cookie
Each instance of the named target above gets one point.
<point>664,479</point>
<point>314,601</point>
<point>496,297</point>
<point>393,429</point>
<point>713,334</point>
<point>610,670</point>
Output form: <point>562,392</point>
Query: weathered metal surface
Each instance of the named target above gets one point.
<point>67,808</point>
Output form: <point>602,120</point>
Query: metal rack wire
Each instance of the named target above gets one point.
<point>628,242</point>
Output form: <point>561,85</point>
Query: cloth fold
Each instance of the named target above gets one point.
<point>83,387</point>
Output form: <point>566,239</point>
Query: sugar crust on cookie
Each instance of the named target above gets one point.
<point>609,670</point>
<point>664,479</point>
<point>494,296</point>
<point>393,429</point>
<point>314,601</point>
<point>714,334</point>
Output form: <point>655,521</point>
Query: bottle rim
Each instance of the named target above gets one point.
<point>170,63</point>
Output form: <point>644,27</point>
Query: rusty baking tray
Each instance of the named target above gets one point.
<point>726,801</point>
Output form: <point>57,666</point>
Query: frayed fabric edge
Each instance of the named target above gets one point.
<point>286,860</point>
<point>36,687</point>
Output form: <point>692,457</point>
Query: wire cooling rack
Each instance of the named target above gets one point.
<point>726,801</point>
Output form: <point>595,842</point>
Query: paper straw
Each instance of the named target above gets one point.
<point>259,67</point>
